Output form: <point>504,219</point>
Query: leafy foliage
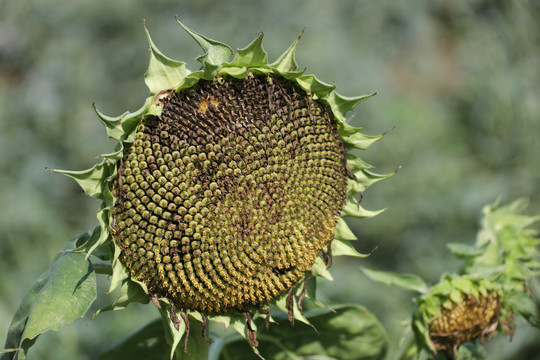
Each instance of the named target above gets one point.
<point>501,267</point>
<point>347,332</point>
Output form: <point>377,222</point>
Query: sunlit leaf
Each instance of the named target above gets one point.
<point>404,281</point>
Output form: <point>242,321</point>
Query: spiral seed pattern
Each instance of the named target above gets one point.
<point>225,200</point>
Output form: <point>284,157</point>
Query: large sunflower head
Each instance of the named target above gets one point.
<point>227,189</point>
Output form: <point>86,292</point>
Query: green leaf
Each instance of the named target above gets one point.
<point>319,268</point>
<point>368,178</point>
<point>404,281</point>
<point>172,334</point>
<point>354,163</point>
<point>112,123</point>
<point>91,180</point>
<point>120,128</point>
<point>432,305</point>
<point>252,55</point>
<point>341,105</point>
<point>350,333</point>
<point>352,208</point>
<point>463,251</point>
<point>315,86</point>
<point>197,347</point>
<point>360,141</point>
<point>81,242</point>
<point>421,332</point>
<point>343,232</point>
<point>120,272</point>
<point>59,296</point>
<point>100,237</point>
<point>346,130</point>
<point>471,351</point>
<point>163,73</point>
<point>129,292</point>
<point>286,63</point>
<point>234,71</point>
<point>522,304</point>
<point>311,290</point>
<point>456,296</point>
<point>463,284</point>
<point>344,248</point>
<point>215,52</point>
<point>190,80</point>
<point>281,303</point>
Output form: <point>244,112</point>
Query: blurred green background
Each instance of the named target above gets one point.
<point>458,84</point>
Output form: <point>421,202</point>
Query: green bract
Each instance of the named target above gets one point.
<point>227,189</point>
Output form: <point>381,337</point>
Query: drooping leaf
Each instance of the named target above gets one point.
<point>59,296</point>
<point>470,351</point>
<point>341,105</point>
<point>343,232</point>
<point>281,303</point>
<point>90,180</point>
<point>163,73</point>
<point>404,281</point>
<point>129,292</point>
<point>525,307</point>
<point>319,268</point>
<point>344,248</point>
<point>286,62</point>
<point>360,141</point>
<point>366,178</point>
<point>315,86</point>
<point>464,251</point>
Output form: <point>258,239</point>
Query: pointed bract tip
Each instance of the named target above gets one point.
<point>387,131</point>
<point>302,32</point>
<point>215,52</point>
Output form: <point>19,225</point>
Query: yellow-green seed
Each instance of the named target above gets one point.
<point>240,184</point>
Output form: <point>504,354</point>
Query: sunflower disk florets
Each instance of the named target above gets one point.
<point>226,198</point>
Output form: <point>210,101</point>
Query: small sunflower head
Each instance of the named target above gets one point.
<point>227,189</point>
<point>458,309</point>
<point>466,320</point>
